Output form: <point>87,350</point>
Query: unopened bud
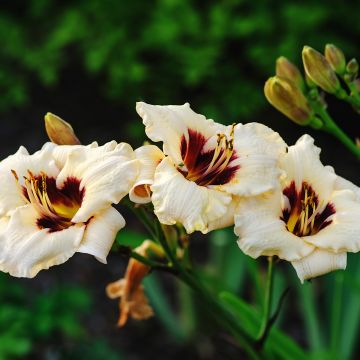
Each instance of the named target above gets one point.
<point>285,96</point>
<point>357,84</point>
<point>287,70</point>
<point>336,58</point>
<point>319,70</point>
<point>352,67</point>
<point>59,131</point>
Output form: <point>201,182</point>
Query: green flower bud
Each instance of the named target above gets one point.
<point>319,70</point>
<point>336,58</point>
<point>59,131</point>
<point>352,67</point>
<point>286,97</point>
<point>357,84</point>
<point>287,70</point>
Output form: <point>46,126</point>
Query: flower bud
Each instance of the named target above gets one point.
<point>336,58</point>
<point>319,70</point>
<point>352,67</point>
<point>59,131</point>
<point>357,84</point>
<point>287,70</point>
<point>285,96</point>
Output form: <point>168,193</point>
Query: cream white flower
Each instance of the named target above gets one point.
<point>312,219</point>
<point>207,166</point>
<point>149,157</point>
<point>58,201</point>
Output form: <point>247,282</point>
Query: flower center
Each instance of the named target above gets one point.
<point>56,207</point>
<point>304,215</point>
<point>211,167</point>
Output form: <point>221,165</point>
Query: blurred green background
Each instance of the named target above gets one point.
<point>89,62</point>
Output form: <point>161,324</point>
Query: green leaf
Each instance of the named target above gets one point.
<point>278,343</point>
<point>130,238</point>
<point>162,308</point>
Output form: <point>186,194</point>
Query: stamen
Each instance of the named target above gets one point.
<point>305,216</point>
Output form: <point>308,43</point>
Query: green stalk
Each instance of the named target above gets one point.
<point>331,127</point>
<point>336,314</point>
<point>267,305</point>
<point>221,315</point>
<point>216,309</point>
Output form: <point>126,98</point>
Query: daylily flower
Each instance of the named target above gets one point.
<point>149,157</point>
<point>58,201</point>
<point>207,166</point>
<point>133,301</point>
<point>312,219</point>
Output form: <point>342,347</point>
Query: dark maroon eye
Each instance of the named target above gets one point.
<point>210,167</point>
<point>305,215</point>
<point>55,206</point>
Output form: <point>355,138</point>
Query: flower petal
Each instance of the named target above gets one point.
<point>228,218</point>
<point>169,123</point>
<point>319,262</point>
<point>258,149</point>
<point>107,177</point>
<point>21,162</point>
<point>343,184</point>
<point>27,249</point>
<point>262,232</point>
<point>176,199</point>
<point>61,152</point>
<point>149,157</point>
<point>302,164</point>
<point>100,233</point>
<point>343,234</point>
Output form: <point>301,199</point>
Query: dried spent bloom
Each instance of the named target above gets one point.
<point>133,301</point>
<point>312,219</point>
<point>207,165</point>
<point>286,97</point>
<point>318,69</point>
<point>58,201</point>
<point>59,131</point>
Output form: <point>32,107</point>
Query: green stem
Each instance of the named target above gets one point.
<point>336,313</point>
<point>354,98</point>
<point>331,127</point>
<point>221,315</point>
<point>153,264</point>
<point>268,298</point>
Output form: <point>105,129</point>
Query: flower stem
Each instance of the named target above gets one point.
<point>331,127</point>
<point>264,329</point>
<point>336,313</point>
<point>221,315</point>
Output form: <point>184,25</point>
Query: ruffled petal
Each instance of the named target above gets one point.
<point>319,262</point>
<point>149,157</point>
<point>27,249</point>
<point>107,177</point>
<point>258,149</point>
<point>343,184</point>
<point>262,232</point>
<point>21,162</point>
<point>100,233</point>
<point>343,234</point>
<point>176,199</point>
<point>169,123</point>
<point>61,152</point>
<point>228,218</point>
<point>302,164</point>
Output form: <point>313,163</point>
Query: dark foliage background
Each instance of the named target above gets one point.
<point>89,61</point>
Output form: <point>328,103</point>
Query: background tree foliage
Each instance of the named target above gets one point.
<point>89,61</point>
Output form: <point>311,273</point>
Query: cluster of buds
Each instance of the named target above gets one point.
<point>291,94</point>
